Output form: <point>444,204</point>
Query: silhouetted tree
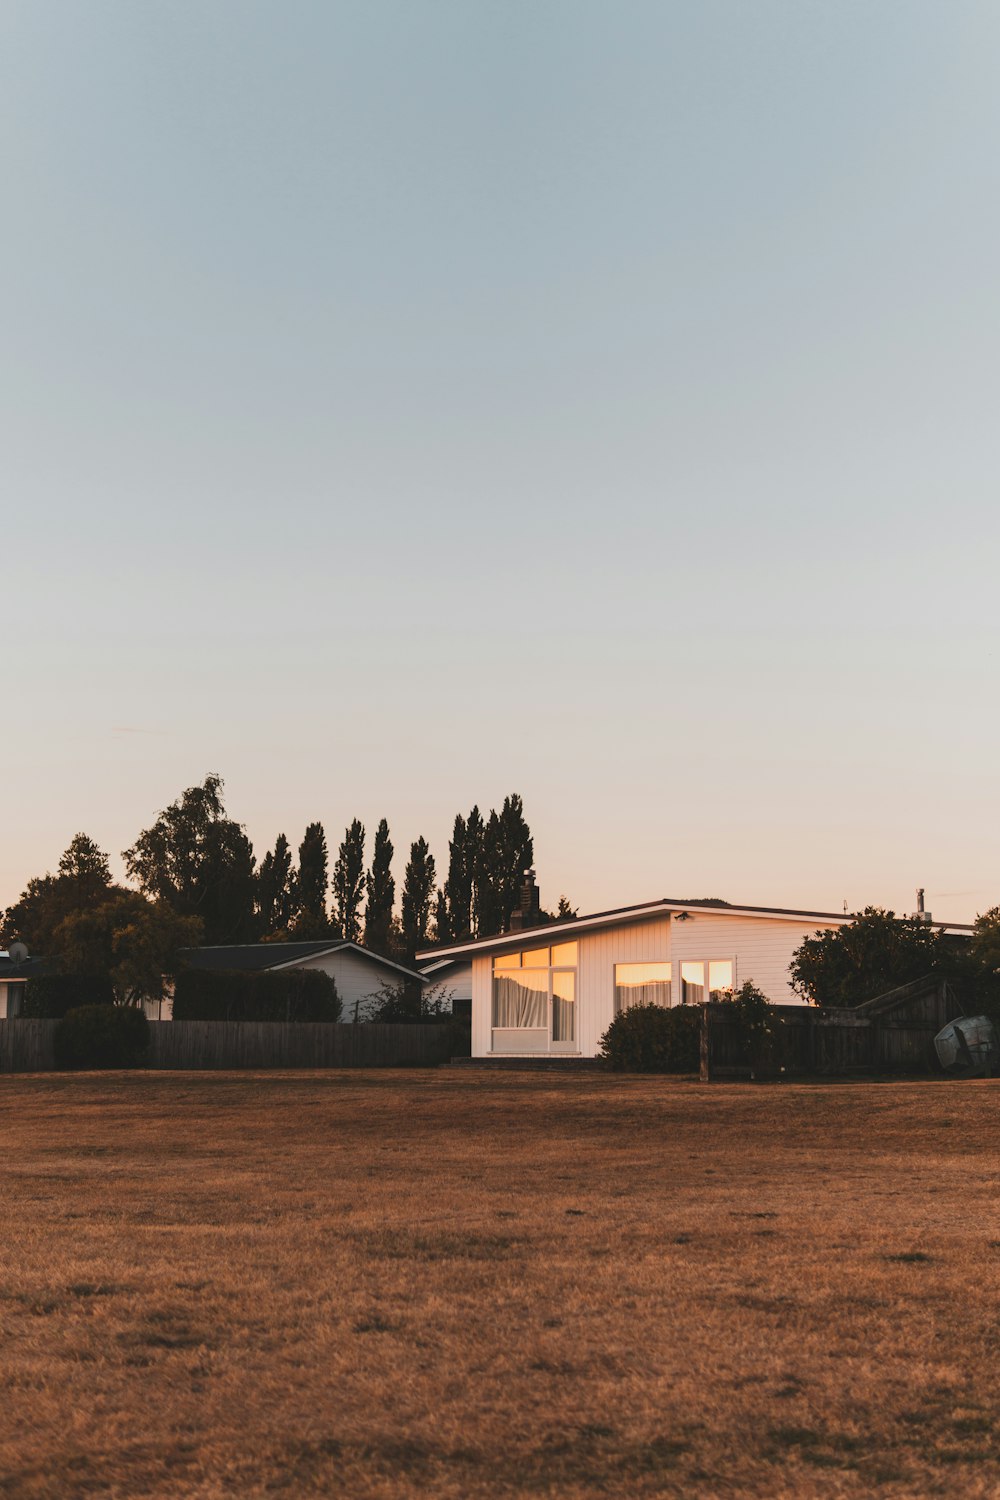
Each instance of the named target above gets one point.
<point>311,920</point>
<point>459,884</point>
<point>276,889</point>
<point>201,863</point>
<point>381,892</point>
<point>418,894</point>
<point>128,939</point>
<point>349,883</point>
<point>46,901</point>
<point>875,952</point>
<point>442,921</point>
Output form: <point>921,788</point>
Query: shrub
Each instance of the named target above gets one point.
<point>654,1039</point>
<point>758,1027</point>
<point>283,995</point>
<point>102,1036</point>
<point>48,997</point>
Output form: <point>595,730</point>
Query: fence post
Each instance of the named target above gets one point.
<point>705,1046</point>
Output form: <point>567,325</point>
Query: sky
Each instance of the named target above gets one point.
<point>403,404</point>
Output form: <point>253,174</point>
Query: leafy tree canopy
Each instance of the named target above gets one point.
<point>47,900</point>
<point>128,938</point>
<point>200,863</point>
<point>380,888</point>
<point>868,956</point>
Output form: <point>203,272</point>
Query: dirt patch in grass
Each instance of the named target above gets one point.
<point>402,1284</point>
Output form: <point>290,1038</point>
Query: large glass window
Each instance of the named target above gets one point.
<point>535,989</point>
<point>692,983</point>
<point>642,984</point>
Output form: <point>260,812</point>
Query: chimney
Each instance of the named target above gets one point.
<point>920,915</point>
<point>528,911</point>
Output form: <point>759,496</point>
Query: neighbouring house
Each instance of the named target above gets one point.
<point>16,968</point>
<point>360,975</point>
<point>555,987</point>
<point>451,980</point>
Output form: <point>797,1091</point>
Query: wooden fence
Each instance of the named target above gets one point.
<point>892,1033</point>
<point>27,1046</point>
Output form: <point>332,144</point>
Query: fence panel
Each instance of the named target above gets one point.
<point>26,1046</point>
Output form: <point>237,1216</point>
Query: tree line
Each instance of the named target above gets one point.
<point>197,880</point>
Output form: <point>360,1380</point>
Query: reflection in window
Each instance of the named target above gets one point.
<point>507,961</point>
<point>720,977</point>
<point>535,958</point>
<point>521,999</point>
<point>692,983</point>
<point>563,1006</point>
<point>564,956</point>
<point>642,984</point>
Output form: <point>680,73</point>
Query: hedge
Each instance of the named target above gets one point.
<point>101,1036</point>
<point>654,1039</point>
<point>228,995</point>
<point>47,997</point>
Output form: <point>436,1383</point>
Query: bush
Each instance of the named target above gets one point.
<point>102,1036</point>
<point>758,1027</point>
<point>654,1039</point>
<point>48,997</point>
<point>227,995</point>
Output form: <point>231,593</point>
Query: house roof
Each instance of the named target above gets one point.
<point>27,968</point>
<point>665,906</point>
<point>250,957</point>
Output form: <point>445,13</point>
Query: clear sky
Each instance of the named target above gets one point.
<point>407,403</point>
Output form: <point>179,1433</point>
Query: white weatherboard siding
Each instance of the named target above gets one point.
<point>760,949</point>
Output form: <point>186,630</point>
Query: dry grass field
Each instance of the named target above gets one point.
<point>392,1284</point>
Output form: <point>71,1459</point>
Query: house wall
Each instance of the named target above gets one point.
<point>11,1000</point>
<point>761,949</point>
<point>357,980</point>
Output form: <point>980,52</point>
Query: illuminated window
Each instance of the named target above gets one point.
<point>692,983</point>
<point>642,984</point>
<point>535,990</point>
<point>720,976</point>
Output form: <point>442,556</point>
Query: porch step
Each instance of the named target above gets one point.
<point>533,1064</point>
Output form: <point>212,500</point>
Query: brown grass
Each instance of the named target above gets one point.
<point>392,1284</point>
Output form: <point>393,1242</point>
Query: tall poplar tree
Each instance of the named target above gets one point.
<point>349,883</point>
<point>380,889</point>
<point>276,895</point>
<point>458,886</point>
<point>311,920</point>
<point>418,896</point>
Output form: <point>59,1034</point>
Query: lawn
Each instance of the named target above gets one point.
<point>401,1284</point>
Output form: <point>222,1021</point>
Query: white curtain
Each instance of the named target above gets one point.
<point>656,992</point>
<point>516,1004</point>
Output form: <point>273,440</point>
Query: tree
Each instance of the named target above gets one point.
<point>128,938</point>
<point>276,893</point>
<point>474,835</point>
<point>349,882</point>
<point>458,886</point>
<point>505,852</point>
<point>381,893</point>
<point>418,894</point>
<point>442,920</point>
<point>873,953</point>
<point>201,863</point>
<point>565,912</point>
<point>47,900</point>
<point>312,920</point>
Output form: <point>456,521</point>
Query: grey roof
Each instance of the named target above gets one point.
<point>27,969</point>
<point>249,957</point>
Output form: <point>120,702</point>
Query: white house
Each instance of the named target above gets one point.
<point>554,988</point>
<point>16,968</point>
<point>359,975</point>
